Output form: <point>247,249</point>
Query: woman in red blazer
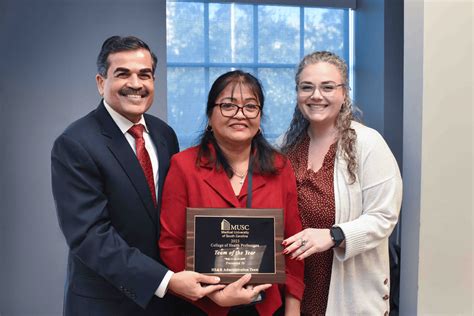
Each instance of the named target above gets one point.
<point>214,175</point>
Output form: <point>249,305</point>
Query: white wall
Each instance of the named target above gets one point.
<point>438,132</point>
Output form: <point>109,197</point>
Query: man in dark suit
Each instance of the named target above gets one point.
<point>108,169</point>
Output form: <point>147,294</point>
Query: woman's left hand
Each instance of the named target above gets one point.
<point>238,292</point>
<point>307,242</point>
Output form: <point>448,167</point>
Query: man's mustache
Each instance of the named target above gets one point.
<point>141,92</point>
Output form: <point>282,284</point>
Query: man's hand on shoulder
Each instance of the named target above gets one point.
<point>193,285</point>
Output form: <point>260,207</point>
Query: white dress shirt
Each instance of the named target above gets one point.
<point>124,125</point>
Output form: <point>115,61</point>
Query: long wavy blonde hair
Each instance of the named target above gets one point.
<point>346,135</point>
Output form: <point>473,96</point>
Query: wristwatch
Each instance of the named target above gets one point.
<point>337,235</point>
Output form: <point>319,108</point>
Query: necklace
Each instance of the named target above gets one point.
<point>241,176</point>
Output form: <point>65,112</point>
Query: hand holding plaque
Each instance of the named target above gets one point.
<point>231,242</point>
<point>192,285</point>
<point>238,292</point>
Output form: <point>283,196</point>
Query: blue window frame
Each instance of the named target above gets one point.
<point>206,39</point>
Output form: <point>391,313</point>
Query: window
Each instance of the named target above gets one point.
<point>206,39</point>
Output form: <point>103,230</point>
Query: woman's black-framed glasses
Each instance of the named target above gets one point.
<point>250,111</point>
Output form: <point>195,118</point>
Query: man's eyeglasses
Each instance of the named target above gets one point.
<point>250,111</point>
<point>326,89</point>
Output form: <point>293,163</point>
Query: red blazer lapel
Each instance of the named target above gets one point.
<point>220,183</point>
<point>258,181</point>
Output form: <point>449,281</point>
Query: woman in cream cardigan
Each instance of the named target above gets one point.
<point>349,195</point>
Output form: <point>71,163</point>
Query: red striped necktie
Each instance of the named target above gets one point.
<point>143,157</point>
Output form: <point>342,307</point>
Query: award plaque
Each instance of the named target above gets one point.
<point>230,242</point>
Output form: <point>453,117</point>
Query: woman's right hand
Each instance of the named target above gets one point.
<point>237,293</point>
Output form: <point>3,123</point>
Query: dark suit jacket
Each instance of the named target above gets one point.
<point>106,213</point>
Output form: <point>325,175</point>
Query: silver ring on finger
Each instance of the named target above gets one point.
<point>300,241</point>
<point>303,242</point>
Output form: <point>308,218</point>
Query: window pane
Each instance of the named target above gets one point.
<point>185,32</point>
<point>280,100</point>
<point>186,103</point>
<point>324,30</point>
<point>230,33</point>
<point>278,34</point>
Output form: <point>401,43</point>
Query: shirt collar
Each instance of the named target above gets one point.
<point>122,122</point>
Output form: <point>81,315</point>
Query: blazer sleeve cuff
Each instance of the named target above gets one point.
<point>294,286</point>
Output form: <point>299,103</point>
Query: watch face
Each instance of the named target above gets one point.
<point>337,234</point>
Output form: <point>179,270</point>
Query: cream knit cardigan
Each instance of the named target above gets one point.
<point>367,212</point>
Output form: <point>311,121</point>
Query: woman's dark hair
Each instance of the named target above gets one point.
<point>262,153</point>
<point>115,44</point>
